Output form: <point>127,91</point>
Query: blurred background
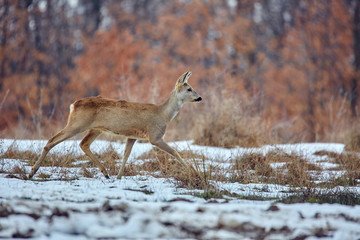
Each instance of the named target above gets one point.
<point>269,71</point>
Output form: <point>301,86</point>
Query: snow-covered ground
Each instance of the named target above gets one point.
<point>148,207</point>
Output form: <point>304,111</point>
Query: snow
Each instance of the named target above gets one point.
<point>147,207</point>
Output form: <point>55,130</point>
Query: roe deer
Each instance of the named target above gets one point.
<point>133,120</point>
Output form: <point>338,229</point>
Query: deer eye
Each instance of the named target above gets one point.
<point>189,90</point>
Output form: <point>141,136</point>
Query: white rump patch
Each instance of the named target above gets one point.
<point>71,108</point>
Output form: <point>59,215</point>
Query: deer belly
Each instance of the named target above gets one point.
<point>134,133</point>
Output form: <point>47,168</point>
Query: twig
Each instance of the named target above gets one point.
<point>4,98</point>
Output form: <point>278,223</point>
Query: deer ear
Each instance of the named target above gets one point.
<point>183,78</point>
<point>187,76</point>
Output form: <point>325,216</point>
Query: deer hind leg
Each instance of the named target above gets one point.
<point>64,134</point>
<point>129,144</point>
<point>85,146</point>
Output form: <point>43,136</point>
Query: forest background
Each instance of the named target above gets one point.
<point>269,71</point>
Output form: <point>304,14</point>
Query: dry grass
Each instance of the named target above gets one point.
<point>296,173</point>
<point>51,160</point>
<point>352,141</point>
<point>229,121</point>
<point>160,164</point>
<point>316,195</point>
<point>86,172</point>
<point>255,167</point>
<point>65,160</point>
<point>251,167</point>
<point>350,162</point>
<point>108,159</point>
<point>13,153</point>
<point>20,171</point>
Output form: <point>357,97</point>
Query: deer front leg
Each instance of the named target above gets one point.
<point>129,144</point>
<point>165,147</point>
<point>85,146</point>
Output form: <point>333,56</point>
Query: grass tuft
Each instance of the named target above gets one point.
<point>229,121</point>
<point>20,171</point>
<point>251,167</point>
<point>352,141</point>
<point>160,164</point>
<point>13,153</point>
<point>350,162</point>
<point>313,195</point>
<point>87,173</point>
<point>255,167</point>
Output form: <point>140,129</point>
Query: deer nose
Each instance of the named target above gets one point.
<point>198,99</point>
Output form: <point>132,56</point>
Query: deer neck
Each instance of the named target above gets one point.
<point>171,107</point>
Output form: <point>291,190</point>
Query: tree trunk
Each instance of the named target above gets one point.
<point>354,83</point>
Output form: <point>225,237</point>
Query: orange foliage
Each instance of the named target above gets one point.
<point>301,71</point>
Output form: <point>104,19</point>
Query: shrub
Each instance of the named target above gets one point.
<point>352,141</point>
<point>229,121</point>
<point>350,162</point>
